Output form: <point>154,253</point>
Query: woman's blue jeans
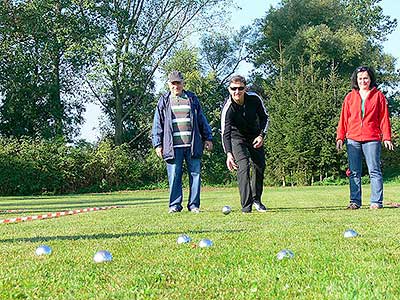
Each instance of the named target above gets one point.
<point>372,154</point>
<point>175,171</point>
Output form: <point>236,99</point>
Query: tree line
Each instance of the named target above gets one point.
<point>55,56</point>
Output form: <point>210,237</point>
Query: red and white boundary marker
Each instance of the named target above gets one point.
<point>55,214</point>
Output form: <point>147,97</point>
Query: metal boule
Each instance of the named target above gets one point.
<point>183,239</point>
<point>350,233</point>
<point>226,210</point>
<point>204,243</point>
<point>43,250</point>
<point>102,256</point>
<point>285,253</point>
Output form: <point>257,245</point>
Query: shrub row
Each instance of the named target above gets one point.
<point>30,166</point>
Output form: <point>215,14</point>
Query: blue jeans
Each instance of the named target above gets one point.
<point>175,171</point>
<point>372,154</point>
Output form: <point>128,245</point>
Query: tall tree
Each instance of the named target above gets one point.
<point>44,48</point>
<point>139,36</point>
<point>223,52</point>
<point>347,33</point>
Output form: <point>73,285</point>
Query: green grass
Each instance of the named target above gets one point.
<point>148,264</point>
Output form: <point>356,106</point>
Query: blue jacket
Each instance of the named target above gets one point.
<point>162,126</point>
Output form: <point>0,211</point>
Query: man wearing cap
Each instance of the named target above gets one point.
<point>180,133</point>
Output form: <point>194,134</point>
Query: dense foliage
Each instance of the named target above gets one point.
<point>34,166</point>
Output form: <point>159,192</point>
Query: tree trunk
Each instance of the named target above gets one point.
<point>118,119</point>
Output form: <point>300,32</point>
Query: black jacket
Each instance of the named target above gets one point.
<point>244,122</point>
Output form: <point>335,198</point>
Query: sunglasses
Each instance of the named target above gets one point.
<point>362,69</point>
<point>235,88</point>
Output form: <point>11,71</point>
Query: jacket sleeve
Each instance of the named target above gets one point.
<point>385,120</point>
<point>226,127</point>
<point>342,125</point>
<point>204,127</point>
<point>157,131</point>
<point>263,116</point>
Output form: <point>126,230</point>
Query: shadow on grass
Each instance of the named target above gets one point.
<point>36,211</point>
<point>112,235</point>
<point>90,202</point>
<point>318,208</point>
<point>308,208</point>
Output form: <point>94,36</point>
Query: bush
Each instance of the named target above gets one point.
<point>31,166</point>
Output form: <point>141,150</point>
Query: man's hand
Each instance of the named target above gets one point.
<point>258,142</point>
<point>339,145</point>
<point>208,145</point>
<point>230,162</point>
<point>159,152</point>
<point>388,145</point>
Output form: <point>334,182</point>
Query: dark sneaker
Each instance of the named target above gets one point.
<point>173,210</point>
<point>260,207</point>
<point>353,206</point>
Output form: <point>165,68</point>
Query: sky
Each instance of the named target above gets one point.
<point>245,15</point>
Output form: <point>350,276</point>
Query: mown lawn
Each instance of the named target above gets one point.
<point>242,264</point>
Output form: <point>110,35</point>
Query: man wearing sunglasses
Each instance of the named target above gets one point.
<point>180,132</point>
<point>244,123</point>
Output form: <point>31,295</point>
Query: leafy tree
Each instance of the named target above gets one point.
<point>301,139</point>
<point>44,49</point>
<point>139,36</point>
<point>224,52</point>
<point>347,33</point>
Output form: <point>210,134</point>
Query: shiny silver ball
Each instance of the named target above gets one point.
<point>226,210</point>
<point>183,239</point>
<point>285,253</point>
<point>204,243</point>
<point>350,233</point>
<point>43,250</point>
<point>102,256</point>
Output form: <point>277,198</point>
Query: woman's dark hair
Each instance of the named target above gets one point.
<point>371,74</point>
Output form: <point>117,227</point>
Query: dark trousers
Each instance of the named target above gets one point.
<point>250,173</point>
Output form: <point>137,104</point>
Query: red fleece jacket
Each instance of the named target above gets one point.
<point>375,126</point>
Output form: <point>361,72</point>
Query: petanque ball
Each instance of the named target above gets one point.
<point>102,256</point>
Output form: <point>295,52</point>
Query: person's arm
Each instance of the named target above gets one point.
<point>263,116</point>
<point>384,119</point>
<point>157,131</point>
<point>226,127</point>
<point>342,126</point>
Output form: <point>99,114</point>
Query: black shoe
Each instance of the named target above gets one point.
<point>353,206</point>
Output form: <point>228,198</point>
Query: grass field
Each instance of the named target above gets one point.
<point>242,264</point>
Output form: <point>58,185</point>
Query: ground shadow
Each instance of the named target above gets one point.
<point>72,207</point>
<point>88,202</point>
<point>112,236</point>
<point>317,208</point>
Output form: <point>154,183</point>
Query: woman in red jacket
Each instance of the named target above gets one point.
<point>364,123</point>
